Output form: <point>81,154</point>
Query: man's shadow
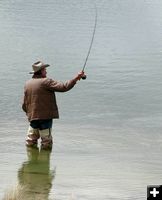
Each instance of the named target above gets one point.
<point>35,176</point>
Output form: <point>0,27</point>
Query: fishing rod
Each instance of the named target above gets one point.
<point>90,47</point>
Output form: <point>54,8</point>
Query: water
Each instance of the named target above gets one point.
<point>107,142</point>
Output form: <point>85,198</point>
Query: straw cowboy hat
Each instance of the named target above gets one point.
<point>38,66</point>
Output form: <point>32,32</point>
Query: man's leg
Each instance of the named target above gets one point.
<point>46,137</point>
<point>32,137</point>
<point>45,133</point>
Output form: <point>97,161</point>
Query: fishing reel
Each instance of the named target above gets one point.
<point>84,77</point>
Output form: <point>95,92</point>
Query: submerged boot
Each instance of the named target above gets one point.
<point>46,138</point>
<point>32,137</point>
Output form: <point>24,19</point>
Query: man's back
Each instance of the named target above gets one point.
<point>39,100</point>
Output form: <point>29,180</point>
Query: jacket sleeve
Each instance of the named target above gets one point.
<point>58,86</point>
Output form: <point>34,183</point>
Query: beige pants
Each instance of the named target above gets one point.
<point>34,134</point>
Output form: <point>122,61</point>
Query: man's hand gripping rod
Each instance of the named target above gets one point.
<point>89,50</point>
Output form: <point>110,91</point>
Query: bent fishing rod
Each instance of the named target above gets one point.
<point>91,43</point>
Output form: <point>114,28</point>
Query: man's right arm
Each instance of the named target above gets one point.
<point>58,86</point>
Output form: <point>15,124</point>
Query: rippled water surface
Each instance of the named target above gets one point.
<point>108,140</point>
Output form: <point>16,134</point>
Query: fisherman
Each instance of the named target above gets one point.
<point>40,105</point>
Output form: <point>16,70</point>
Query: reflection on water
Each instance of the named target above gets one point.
<point>34,177</point>
<point>35,174</point>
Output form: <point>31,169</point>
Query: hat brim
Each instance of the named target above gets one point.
<point>44,66</point>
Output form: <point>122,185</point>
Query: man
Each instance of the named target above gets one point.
<point>40,105</point>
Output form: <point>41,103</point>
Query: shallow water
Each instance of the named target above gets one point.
<point>107,142</point>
